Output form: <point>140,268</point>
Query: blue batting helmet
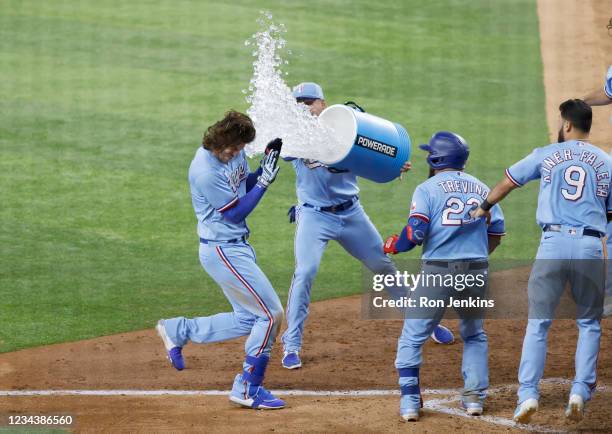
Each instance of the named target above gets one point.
<point>446,150</point>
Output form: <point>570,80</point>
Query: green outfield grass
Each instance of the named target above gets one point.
<point>103,104</point>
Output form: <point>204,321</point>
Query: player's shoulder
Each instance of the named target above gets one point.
<point>602,155</point>
<point>204,165</point>
<point>596,150</point>
<point>542,152</point>
<point>551,147</point>
<point>430,187</point>
<point>428,184</point>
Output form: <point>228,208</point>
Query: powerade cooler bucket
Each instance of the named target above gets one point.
<point>372,147</point>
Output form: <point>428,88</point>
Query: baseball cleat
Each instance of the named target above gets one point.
<point>174,352</point>
<point>575,408</point>
<point>410,415</point>
<point>291,360</point>
<point>442,335</point>
<point>256,397</point>
<point>472,408</point>
<point>525,410</point>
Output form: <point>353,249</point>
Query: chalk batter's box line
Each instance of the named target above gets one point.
<point>349,393</point>
<point>294,392</point>
<point>436,405</point>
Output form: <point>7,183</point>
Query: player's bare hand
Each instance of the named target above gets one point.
<point>478,212</point>
<point>406,167</point>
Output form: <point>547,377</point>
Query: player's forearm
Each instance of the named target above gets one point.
<point>412,235</point>
<point>252,179</point>
<point>500,191</point>
<point>245,205</point>
<point>404,244</point>
<point>597,97</point>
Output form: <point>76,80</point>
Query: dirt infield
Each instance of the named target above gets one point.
<point>576,51</point>
<point>342,352</point>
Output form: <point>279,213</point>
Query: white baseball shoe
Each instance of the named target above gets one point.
<point>525,410</point>
<point>473,408</point>
<point>575,408</point>
<point>411,415</point>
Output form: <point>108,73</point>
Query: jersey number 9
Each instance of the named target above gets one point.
<point>575,177</point>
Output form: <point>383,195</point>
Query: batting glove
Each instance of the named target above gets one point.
<point>269,169</point>
<point>389,246</point>
<point>274,145</point>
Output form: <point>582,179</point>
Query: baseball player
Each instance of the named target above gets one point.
<point>452,244</point>
<point>573,204</point>
<point>328,209</point>
<point>603,96</point>
<point>223,194</point>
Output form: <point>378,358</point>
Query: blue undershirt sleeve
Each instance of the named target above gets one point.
<point>245,205</point>
<point>252,179</point>
<point>413,234</point>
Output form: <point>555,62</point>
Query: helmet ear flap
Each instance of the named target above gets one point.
<point>435,161</point>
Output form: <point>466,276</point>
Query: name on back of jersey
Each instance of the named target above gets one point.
<point>584,156</point>
<point>467,187</point>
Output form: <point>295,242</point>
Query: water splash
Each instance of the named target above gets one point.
<point>273,109</point>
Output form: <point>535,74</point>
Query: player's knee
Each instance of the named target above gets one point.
<point>245,320</point>
<point>538,325</point>
<point>588,325</point>
<point>474,335</point>
<point>278,315</point>
<point>277,320</point>
<point>306,271</point>
<point>380,265</point>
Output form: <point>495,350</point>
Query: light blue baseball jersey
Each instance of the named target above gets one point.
<point>608,84</point>
<point>215,187</point>
<point>574,183</point>
<point>318,186</point>
<point>444,201</point>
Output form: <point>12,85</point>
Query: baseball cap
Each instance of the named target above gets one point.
<point>308,90</point>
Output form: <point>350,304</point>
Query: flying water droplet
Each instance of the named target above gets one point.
<point>273,108</point>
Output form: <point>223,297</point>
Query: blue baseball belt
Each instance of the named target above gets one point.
<point>232,241</point>
<point>335,208</point>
